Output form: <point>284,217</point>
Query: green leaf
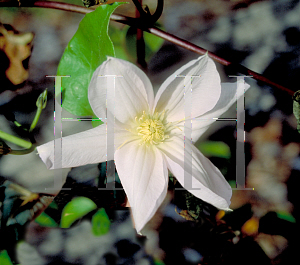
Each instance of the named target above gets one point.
<point>286,216</point>
<point>100,223</point>
<point>217,149</point>
<point>88,48</point>
<point>76,209</point>
<point>45,220</point>
<point>4,258</point>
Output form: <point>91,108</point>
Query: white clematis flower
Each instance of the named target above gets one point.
<point>149,133</point>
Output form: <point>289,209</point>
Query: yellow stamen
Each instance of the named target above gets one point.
<point>153,129</point>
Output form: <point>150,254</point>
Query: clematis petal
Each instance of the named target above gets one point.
<point>227,98</point>
<point>206,89</point>
<point>83,148</point>
<point>208,183</point>
<point>144,176</point>
<point>133,90</point>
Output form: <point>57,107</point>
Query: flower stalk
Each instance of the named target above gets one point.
<point>16,140</point>
<point>5,149</point>
<point>140,43</point>
<point>41,104</point>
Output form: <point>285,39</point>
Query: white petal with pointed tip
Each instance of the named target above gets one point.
<point>144,176</point>
<point>206,89</point>
<point>133,90</point>
<point>208,183</point>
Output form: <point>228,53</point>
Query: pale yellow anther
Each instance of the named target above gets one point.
<point>152,128</point>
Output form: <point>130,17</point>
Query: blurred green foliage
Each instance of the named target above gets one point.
<point>4,258</point>
<point>216,149</point>
<point>286,216</point>
<point>76,209</point>
<point>124,41</point>
<point>100,223</point>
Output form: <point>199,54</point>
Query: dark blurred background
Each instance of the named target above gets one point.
<point>261,35</point>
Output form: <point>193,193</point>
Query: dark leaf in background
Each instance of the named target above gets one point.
<point>239,216</point>
<point>272,224</point>
<point>19,205</point>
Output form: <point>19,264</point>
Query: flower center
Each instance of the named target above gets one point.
<point>153,129</point>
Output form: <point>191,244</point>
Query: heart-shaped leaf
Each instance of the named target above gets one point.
<point>88,48</point>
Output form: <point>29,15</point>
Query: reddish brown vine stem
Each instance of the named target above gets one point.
<point>166,36</point>
<point>140,43</point>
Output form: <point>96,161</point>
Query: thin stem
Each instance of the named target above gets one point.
<point>194,48</point>
<point>62,6</point>
<point>36,119</point>
<point>16,140</point>
<point>23,152</point>
<point>138,6</point>
<point>140,43</point>
<point>158,11</point>
<point>166,36</point>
